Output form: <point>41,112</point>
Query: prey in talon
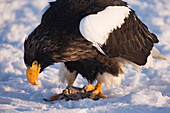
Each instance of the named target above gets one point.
<point>93,38</point>
<point>76,93</point>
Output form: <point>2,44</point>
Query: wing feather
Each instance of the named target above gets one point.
<point>132,41</point>
<point>126,36</point>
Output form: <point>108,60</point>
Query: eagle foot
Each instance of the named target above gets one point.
<point>95,91</point>
<point>76,93</point>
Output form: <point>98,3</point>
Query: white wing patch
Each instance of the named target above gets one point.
<point>96,27</point>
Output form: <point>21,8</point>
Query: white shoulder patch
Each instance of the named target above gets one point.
<point>96,27</point>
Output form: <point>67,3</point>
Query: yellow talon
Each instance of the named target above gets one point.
<point>89,87</point>
<point>93,90</point>
<point>97,90</point>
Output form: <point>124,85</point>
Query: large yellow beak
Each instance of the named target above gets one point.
<point>33,73</point>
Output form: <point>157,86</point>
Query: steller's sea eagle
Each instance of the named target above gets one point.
<point>95,38</point>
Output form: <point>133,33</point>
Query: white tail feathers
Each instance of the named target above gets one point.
<point>155,54</point>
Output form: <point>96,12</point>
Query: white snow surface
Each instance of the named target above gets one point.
<point>141,92</point>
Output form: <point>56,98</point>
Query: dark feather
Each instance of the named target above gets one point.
<point>58,39</point>
<point>132,41</point>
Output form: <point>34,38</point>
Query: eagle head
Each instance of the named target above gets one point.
<point>31,62</point>
<point>37,55</point>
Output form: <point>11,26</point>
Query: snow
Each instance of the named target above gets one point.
<point>141,92</point>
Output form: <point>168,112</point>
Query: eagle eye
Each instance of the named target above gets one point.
<point>35,63</point>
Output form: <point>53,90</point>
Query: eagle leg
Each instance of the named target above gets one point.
<point>96,90</point>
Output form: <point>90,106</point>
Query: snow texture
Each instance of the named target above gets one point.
<point>141,92</point>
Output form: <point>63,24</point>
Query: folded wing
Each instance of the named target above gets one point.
<point>118,32</point>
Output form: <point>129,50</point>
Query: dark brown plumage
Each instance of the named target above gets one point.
<point>132,41</point>
<point>58,39</point>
